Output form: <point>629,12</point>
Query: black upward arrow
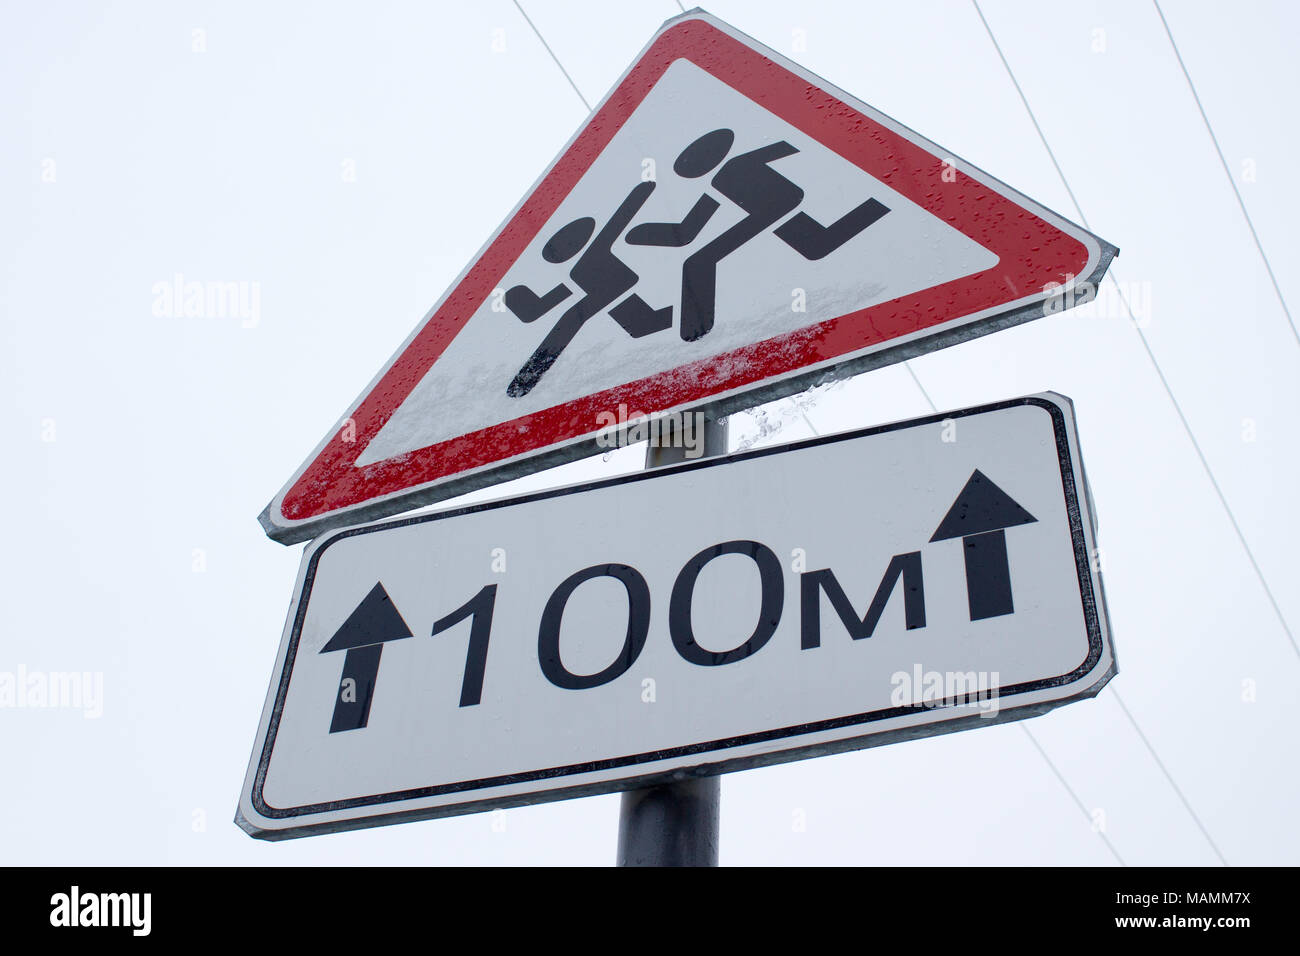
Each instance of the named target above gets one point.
<point>362,635</point>
<point>979,517</point>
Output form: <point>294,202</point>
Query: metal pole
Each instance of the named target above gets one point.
<point>674,824</point>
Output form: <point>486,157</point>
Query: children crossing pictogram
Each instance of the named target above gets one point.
<point>747,180</point>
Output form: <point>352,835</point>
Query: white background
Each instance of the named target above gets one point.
<point>171,433</point>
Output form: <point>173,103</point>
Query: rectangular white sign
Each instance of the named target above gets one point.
<point>898,581</point>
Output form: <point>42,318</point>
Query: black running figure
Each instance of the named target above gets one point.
<point>765,196</point>
<point>747,180</point>
<point>601,275</point>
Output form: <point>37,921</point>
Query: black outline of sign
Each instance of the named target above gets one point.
<point>1092,621</point>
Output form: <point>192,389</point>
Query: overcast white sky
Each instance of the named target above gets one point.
<point>142,446</point>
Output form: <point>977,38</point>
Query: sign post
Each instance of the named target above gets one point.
<point>675,824</point>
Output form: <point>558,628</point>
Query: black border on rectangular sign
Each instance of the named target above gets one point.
<point>1092,619</point>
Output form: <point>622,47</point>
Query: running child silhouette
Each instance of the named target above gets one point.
<point>747,180</point>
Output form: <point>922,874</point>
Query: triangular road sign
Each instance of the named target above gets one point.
<point>725,229</point>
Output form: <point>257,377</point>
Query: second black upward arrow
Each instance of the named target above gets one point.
<point>980,516</point>
<point>363,635</point>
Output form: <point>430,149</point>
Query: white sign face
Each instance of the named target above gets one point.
<point>899,581</point>
<point>726,228</point>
